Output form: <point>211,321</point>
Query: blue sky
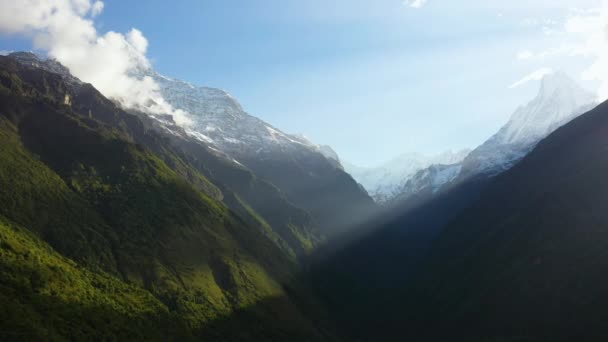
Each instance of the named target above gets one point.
<point>373,79</point>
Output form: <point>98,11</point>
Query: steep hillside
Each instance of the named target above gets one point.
<point>262,204</point>
<point>530,254</point>
<point>116,198</point>
<point>47,296</point>
<point>309,175</point>
<point>525,261</point>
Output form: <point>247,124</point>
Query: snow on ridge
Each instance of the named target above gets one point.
<point>200,136</point>
<point>232,140</point>
<point>220,121</point>
<point>386,180</point>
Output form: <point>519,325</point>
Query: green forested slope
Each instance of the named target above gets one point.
<point>45,296</point>
<point>79,180</point>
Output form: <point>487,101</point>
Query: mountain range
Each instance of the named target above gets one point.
<point>142,229</point>
<point>385,181</point>
<point>116,224</point>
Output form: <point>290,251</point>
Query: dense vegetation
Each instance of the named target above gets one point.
<point>47,296</point>
<point>109,231</point>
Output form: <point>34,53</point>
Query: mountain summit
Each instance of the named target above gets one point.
<point>219,120</point>
<point>559,100</point>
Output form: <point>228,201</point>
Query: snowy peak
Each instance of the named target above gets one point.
<point>559,100</point>
<point>562,83</point>
<point>429,180</point>
<point>219,121</point>
<point>386,180</point>
<point>196,100</point>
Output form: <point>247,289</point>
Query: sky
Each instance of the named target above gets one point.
<point>373,79</point>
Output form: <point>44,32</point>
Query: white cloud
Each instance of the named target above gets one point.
<point>534,76</point>
<point>4,52</point>
<point>584,34</point>
<point>524,55</point>
<point>65,29</point>
<point>415,3</point>
<point>138,41</point>
<point>97,8</point>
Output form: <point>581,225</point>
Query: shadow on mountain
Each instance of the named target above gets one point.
<point>523,259</point>
<point>359,276</point>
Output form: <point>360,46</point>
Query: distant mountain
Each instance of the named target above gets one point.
<point>559,100</point>
<point>383,182</point>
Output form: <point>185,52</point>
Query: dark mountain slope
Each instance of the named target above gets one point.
<point>529,258</point>
<point>74,172</point>
<point>259,202</point>
<point>526,261</point>
<point>360,277</point>
<point>312,182</point>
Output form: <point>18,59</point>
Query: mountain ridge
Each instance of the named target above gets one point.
<point>123,201</point>
<point>559,100</point>
<point>384,181</point>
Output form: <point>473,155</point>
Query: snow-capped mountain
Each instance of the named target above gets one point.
<point>559,100</point>
<point>430,179</point>
<point>217,118</point>
<point>266,165</point>
<point>309,175</point>
<point>385,181</point>
<point>219,121</point>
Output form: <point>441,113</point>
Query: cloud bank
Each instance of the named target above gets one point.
<point>111,61</point>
